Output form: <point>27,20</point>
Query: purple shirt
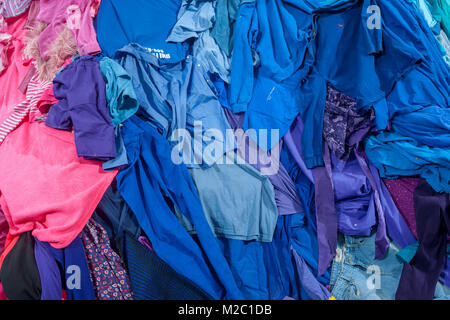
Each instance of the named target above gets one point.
<point>81,92</point>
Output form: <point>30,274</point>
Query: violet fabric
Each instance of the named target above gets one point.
<point>74,269</point>
<point>314,289</point>
<point>354,196</point>
<point>396,226</point>
<point>326,218</point>
<point>402,192</point>
<point>356,192</point>
<point>343,127</point>
<point>327,222</point>
<point>381,240</point>
<point>356,203</point>
<point>81,92</point>
<point>419,277</point>
<point>4,228</point>
<point>293,143</point>
<point>144,241</point>
<point>286,196</point>
<point>49,272</point>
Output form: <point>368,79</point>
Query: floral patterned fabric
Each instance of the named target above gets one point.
<point>108,275</point>
<point>343,127</point>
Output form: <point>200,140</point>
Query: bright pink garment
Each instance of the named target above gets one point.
<point>47,100</point>
<point>2,293</point>
<point>77,15</point>
<point>10,79</point>
<point>24,109</point>
<point>45,186</point>
<point>5,39</point>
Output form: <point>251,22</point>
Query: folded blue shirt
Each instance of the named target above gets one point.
<point>176,97</point>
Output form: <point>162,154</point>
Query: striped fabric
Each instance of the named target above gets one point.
<point>153,279</point>
<point>35,90</point>
<point>12,8</point>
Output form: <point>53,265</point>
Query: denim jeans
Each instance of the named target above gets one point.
<point>356,275</point>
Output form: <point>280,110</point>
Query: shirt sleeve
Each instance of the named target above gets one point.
<point>241,87</point>
<point>81,24</point>
<point>82,94</point>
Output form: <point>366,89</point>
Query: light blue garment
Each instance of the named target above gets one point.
<point>195,19</point>
<point>121,158</point>
<point>424,9</point>
<point>395,155</point>
<point>239,202</point>
<point>445,44</point>
<point>120,95</point>
<point>407,253</point>
<point>223,29</point>
<point>122,104</point>
<point>442,292</point>
<point>357,276</point>
<point>173,97</point>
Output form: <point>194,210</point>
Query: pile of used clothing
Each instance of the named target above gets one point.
<point>225,149</point>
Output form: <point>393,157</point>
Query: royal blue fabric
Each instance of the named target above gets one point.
<point>74,255</point>
<point>418,105</point>
<point>152,185</point>
<point>302,227</point>
<point>147,23</point>
<point>366,65</point>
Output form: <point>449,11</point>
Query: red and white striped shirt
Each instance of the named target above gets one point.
<point>29,106</point>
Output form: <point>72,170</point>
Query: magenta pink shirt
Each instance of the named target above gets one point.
<point>77,14</point>
<point>45,187</point>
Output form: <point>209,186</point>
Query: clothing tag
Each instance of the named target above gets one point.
<point>159,53</point>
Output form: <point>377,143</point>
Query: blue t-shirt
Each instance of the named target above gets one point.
<point>147,23</point>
